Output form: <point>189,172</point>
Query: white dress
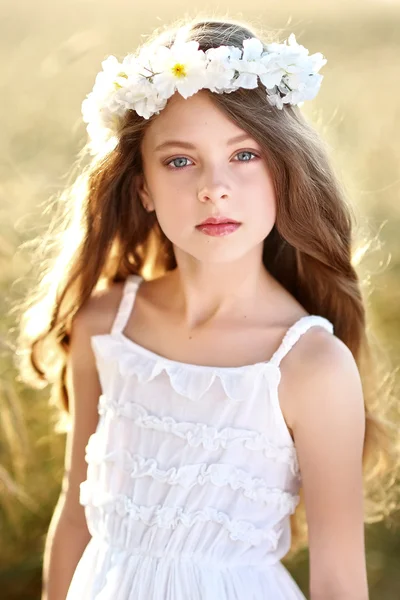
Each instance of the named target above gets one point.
<point>192,475</point>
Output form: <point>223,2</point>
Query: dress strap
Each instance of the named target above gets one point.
<point>296,331</point>
<point>127,301</point>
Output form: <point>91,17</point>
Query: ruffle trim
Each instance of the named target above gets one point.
<point>190,381</point>
<point>196,434</point>
<point>187,476</point>
<point>169,517</point>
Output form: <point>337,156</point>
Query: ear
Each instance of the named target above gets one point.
<point>143,192</point>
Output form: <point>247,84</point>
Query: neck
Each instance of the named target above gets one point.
<point>204,294</point>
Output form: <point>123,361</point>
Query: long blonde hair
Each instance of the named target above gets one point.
<point>103,234</point>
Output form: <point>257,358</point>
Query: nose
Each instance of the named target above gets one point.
<point>213,188</point>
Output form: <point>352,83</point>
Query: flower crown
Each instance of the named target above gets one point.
<point>145,82</point>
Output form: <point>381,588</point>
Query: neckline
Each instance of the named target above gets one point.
<point>134,281</point>
<point>185,365</point>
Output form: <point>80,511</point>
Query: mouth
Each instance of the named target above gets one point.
<point>217,229</point>
<point>218,221</point>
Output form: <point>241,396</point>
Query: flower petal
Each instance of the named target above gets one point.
<point>252,49</point>
<point>247,80</point>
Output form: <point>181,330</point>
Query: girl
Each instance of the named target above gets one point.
<point>206,329</point>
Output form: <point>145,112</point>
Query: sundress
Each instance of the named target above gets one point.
<point>192,476</point>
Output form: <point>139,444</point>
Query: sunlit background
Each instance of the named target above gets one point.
<point>50,54</point>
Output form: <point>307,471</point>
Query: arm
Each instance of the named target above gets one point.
<point>68,534</point>
<point>328,428</point>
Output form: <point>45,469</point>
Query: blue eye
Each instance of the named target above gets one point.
<point>246,152</point>
<point>179,162</point>
<point>174,160</point>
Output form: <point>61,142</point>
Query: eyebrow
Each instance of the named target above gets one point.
<point>169,143</point>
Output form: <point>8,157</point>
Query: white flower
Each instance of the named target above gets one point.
<point>292,47</point>
<point>179,68</point>
<point>220,70</point>
<point>99,110</point>
<point>274,71</point>
<point>249,66</point>
<point>275,100</point>
<point>144,82</point>
<point>139,95</point>
<point>299,79</point>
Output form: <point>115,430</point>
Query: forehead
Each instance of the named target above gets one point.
<point>195,117</point>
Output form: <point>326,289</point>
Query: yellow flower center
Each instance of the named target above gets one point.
<point>121,74</point>
<point>179,70</point>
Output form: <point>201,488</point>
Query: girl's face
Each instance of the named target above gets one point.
<point>199,164</point>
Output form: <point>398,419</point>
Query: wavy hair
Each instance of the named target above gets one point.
<point>103,233</point>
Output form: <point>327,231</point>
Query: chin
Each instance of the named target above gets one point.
<point>213,254</point>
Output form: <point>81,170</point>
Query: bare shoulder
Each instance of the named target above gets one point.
<point>97,314</point>
<point>318,366</point>
<point>318,350</point>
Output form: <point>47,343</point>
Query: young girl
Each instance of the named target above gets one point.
<point>208,327</point>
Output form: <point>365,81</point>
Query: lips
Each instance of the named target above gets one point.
<point>218,229</point>
<point>217,221</point>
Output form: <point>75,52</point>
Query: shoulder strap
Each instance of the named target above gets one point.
<point>127,301</point>
<point>296,331</point>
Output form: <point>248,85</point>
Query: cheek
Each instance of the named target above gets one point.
<point>175,195</point>
<point>173,191</point>
<point>175,203</point>
<point>262,192</point>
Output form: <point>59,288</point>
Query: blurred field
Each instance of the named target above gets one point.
<point>50,54</point>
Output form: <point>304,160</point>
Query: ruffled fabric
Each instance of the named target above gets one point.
<point>191,381</point>
<point>169,517</point>
<point>189,476</point>
<point>201,434</point>
<point>215,525</point>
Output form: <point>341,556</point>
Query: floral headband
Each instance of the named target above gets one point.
<point>145,82</point>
